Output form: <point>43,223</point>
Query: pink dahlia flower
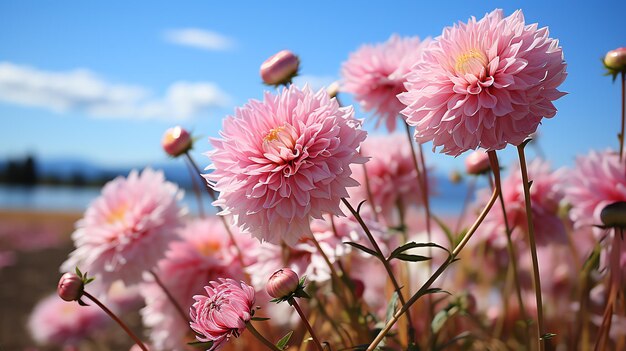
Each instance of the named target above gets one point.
<point>283,160</point>
<point>545,194</point>
<point>597,181</point>
<point>484,83</point>
<point>375,74</point>
<point>205,253</point>
<point>223,312</point>
<point>391,175</point>
<point>60,323</point>
<point>126,230</point>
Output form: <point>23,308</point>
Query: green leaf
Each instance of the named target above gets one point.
<point>391,307</point>
<point>282,343</point>
<point>78,272</point>
<point>362,248</point>
<point>414,245</point>
<point>411,258</point>
<point>547,336</point>
<point>260,319</point>
<point>201,344</point>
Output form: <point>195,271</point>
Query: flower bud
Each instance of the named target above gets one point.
<point>70,287</point>
<point>280,68</point>
<point>282,283</point>
<point>615,60</point>
<point>477,163</point>
<point>176,141</point>
<point>359,288</point>
<point>614,215</point>
<point>333,89</point>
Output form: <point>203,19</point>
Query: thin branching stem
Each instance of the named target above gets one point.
<point>451,258</point>
<point>116,319</point>
<point>533,246</point>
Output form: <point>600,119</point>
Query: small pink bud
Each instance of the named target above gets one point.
<point>615,60</point>
<point>477,163</point>
<point>176,141</point>
<point>614,215</point>
<point>282,283</point>
<point>280,68</point>
<point>70,287</point>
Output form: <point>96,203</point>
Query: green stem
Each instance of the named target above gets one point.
<point>116,319</point>
<point>170,297</point>
<point>451,258</point>
<point>226,226</point>
<point>513,256</point>
<point>621,138</point>
<point>261,338</point>
<point>533,246</point>
<point>194,182</point>
<point>382,259</point>
<point>295,305</point>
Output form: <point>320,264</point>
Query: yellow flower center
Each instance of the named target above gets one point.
<point>471,62</point>
<point>273,134</point>
<point>117,215</point>
<point>208,248</point>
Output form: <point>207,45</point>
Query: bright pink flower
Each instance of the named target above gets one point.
<point>60,323</point>
<point>484,83</point>
<point>126,230</point>
<point>284,160</point>
<point>375,74</point>
<point>205,253</point>
<point>223,312</point>
<point>597,181</point>
<point>391,175</point>
<point>545,194</point>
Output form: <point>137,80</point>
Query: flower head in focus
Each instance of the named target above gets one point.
<point>283,160</point>
<point>205,252</point>
<point>223,312</point>
<point>375,74</point>
<point>615,62</point>
<point>484,83</point>
<point>126,230</point>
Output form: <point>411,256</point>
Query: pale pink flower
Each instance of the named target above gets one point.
<point>599,179</point>
<point>60,323</point>
<point>205,253</point>
<point>284,160</point>
<point>545,194</point>
<point>375,74</point>
<point>223,312</point>
<point>126,230</point>
<point>391,175</point>
<point>484,83</point>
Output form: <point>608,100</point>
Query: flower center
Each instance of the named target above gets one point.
<point>117,215</point>
<point>471,62</point>
<point>273,134</point>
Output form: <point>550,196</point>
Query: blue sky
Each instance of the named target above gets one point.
<point>102,81</point>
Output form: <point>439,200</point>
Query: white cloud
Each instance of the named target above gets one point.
<point>84,91</point>
<point>200,39</point>
<point>315,82</point>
